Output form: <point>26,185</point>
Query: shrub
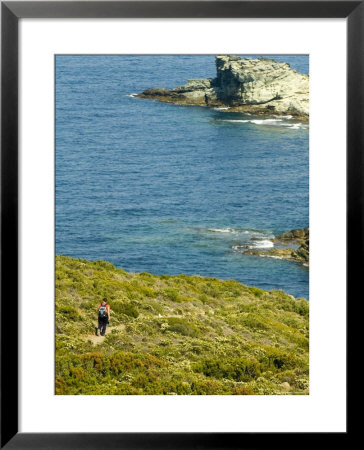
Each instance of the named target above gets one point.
<point>302,383</point>
<point>256,291</point>
<point>237,370</point>
<point>203,298</point>
<point>243,390</point>
<point>207,387</point>
<point>104,265</point>
<point>121,362</point>
<point>301,307</point>
<point>183,327</point>
<point>93,360</point>
<point>171,294</point>
<point>146,291</point>
<point>282,360</point>
<point>255,322</point>
<point>124,308</point>
<point>61,386</point>
<point>69,313</point>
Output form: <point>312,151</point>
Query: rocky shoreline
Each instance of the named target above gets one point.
<point>300,238</point>
<point>262,87</point>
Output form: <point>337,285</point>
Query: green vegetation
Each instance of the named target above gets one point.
<point>176,335</point>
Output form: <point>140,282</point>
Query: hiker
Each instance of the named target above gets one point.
<point>103,318</point>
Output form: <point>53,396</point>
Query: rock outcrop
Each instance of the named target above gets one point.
<point>299,237</point>
<point>303,252</point>
<point>257,86</point>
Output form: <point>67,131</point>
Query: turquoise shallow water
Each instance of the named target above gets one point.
<point>171,189</point>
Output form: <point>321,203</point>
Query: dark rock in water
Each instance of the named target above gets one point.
<point>154,92</point>
<point>256,86</point>
<point>297,235</point>
<point>279,253</point>
<point>302,253</point>
<point>194,92</point>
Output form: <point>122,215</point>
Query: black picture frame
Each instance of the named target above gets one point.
<point>11,12</point>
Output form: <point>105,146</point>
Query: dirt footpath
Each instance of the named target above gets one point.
<point>98,339</point>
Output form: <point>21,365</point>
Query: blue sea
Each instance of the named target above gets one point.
<point>167,189</point>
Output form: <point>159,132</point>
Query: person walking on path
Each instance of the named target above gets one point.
<point>103,318</point>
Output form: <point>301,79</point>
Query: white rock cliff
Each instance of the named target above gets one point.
<point>259,86</point>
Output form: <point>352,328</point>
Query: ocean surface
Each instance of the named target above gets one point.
<point>167,189</point>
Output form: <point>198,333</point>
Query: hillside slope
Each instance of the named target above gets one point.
<point>176,335</point>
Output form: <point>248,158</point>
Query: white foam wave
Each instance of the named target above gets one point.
<point>221,109</point>
<point>222,230</point>
<point>131,95</point>
<point>235,120</point>
<point>256,233</point>
<point>238,247</point>
<point>270,122</point>
<point>271,256</point>
<point>265,121</point>
<point>264,243</point>
<point>253,245</point>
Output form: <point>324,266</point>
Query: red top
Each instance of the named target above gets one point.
<point>107,306</point>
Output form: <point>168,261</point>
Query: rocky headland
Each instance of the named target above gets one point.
<point>255,86</point>
<point>299,238</point>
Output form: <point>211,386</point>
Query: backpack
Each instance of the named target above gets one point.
<point>103,312</point>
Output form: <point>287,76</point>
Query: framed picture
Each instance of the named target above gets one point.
<point>163,167</point>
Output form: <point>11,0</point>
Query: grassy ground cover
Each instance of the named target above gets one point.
<point>176,335</point>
